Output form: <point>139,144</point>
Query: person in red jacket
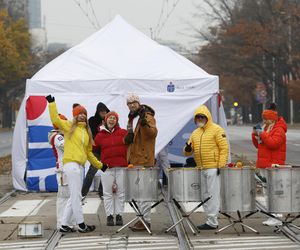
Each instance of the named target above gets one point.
<point>270,140</point>
<point>112,141</point>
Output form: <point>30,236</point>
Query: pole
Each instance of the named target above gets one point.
<point>151,32</point>
<point>290,64</point>
<point>273,81</point>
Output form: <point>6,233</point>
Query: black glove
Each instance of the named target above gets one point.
<point>50,98</point>
<point>144,122</point>
<point>218,171</point>
<point>188,147</point>
<point>257,127</point>
<point>104,167</point>
<point>129,138</point>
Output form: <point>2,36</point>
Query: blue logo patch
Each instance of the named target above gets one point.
<point>171,87</point>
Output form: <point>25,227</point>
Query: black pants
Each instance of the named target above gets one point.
<point>89,179</point>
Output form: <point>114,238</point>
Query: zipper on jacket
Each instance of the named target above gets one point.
<point>200,148</point>
<point>82,132</point>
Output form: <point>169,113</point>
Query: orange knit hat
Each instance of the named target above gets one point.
<point>62,117</point>
<point>111,113</point>
<point>78,110</point>
<point>270,115</point>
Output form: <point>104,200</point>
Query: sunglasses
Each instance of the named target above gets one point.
<point>129,103</point>
<point>200,117</point>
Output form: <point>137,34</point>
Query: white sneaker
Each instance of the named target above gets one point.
<point>272,222</point>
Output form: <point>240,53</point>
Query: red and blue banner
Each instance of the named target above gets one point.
<point>40,169</point>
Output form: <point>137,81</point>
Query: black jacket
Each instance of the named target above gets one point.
<point>96,120</point>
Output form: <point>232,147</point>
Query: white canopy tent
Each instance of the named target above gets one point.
<point>105,67</point>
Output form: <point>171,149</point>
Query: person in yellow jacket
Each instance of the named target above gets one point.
<point>209,145</point>
<point>77,150</point>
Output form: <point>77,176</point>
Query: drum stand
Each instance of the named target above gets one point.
<point>285,222</point>
<point>185,215</point>
<point>139,215</point>
<point>234,221</point>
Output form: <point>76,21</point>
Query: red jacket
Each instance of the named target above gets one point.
<point>113,148</point>
<point>272,150</point>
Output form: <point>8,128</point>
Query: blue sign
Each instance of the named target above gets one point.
<point>171,87</point>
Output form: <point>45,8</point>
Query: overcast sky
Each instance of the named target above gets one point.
<point>66,22</point>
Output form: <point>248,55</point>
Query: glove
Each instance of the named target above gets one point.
<point>50,98</point>
<point>104,167</point>
<point>257,126</point>
<point>218,171</point>
<point>132,115</point>
<point>188,147</point>
<point>128,139</point>
<point>129,128</point>
<point>144,122</point>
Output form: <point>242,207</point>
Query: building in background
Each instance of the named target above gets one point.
<point>34,14</point>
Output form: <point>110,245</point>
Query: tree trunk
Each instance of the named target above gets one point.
<point>7,112</point>
<point>245,112</point>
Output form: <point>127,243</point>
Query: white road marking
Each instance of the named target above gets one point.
<point>189,206</point>
<point>91,205</point>
<point>24,208</point>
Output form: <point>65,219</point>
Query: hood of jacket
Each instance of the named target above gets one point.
<point>101,107</point>
<point>146,109</point>
<point>281,123</point>
<point>203,110</point>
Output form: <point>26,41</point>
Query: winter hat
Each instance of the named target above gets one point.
<point>78,109</point>
<point>111,113</point>
<point>62,117</point>
<point>270,113</point>
<point>132,98</point>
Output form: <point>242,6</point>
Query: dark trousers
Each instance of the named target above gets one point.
<point>89,179</point>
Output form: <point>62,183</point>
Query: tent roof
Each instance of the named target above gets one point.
<point>119,51</point>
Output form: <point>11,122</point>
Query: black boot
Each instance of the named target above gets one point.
<point>119,220</point>
<point>110,221</point>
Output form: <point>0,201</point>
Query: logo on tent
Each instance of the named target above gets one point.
<point>171,87</point>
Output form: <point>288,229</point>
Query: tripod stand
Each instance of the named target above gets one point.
<point>233,221</point>
<point>139,215</point>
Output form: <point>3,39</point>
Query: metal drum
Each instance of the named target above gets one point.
<point>141,184</point>
<point>238,189</point>
<point>283,188</point>
<point>184,184</point>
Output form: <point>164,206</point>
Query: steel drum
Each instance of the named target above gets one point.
<point>184,184</point>
<point>238,189</point>
<point>283,189</point>
<point>141,184</point>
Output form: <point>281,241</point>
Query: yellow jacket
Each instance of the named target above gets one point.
<point>77,148</point>
<point>209,144</point>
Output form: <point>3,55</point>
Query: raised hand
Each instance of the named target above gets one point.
<point>50,98</point>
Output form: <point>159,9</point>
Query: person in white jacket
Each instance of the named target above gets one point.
<point>56,140</point>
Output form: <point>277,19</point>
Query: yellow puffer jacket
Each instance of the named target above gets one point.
<point>209,144</point>
<point>77,148</point>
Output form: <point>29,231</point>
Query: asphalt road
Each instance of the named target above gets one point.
<point>5,142</point>
<point>241,144</point>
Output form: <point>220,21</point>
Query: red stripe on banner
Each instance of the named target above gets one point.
<point>35,106</point>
